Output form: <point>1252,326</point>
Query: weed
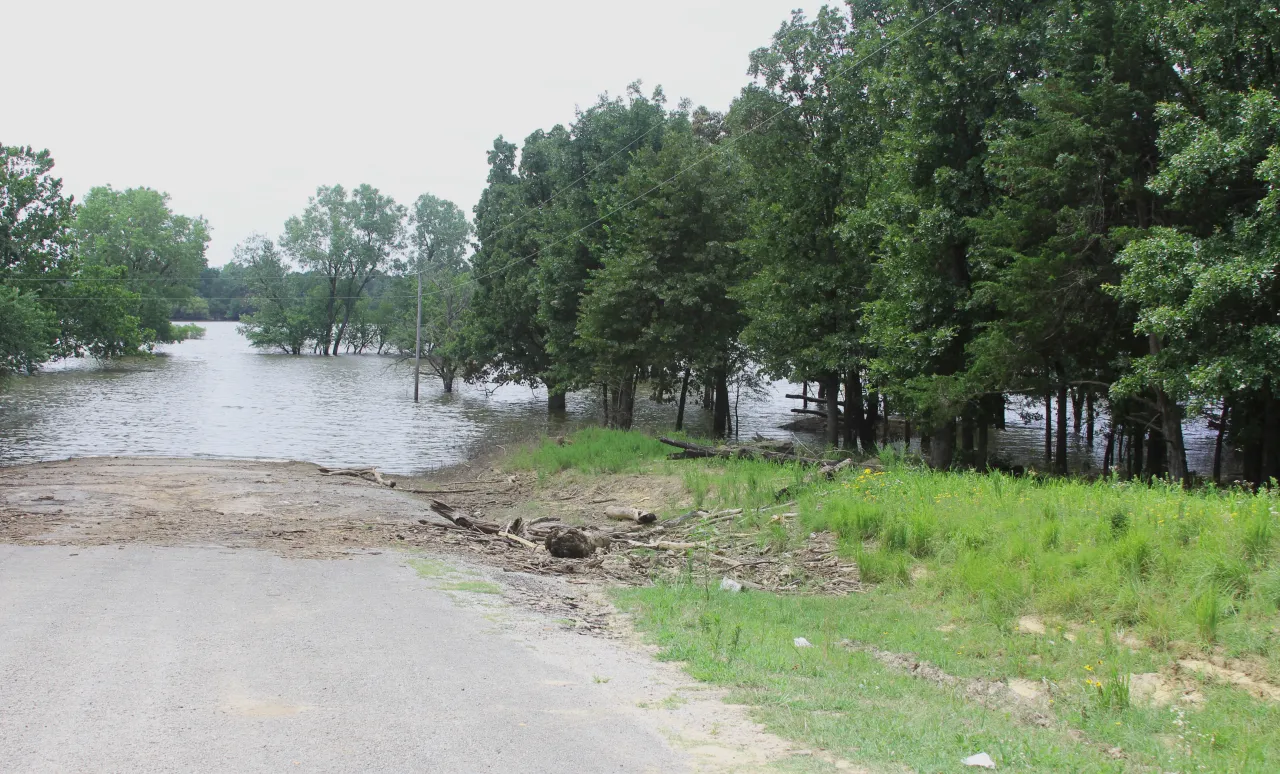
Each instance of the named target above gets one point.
<point>1134,555</point>
<point>698,484</point>
<point>1051,535</point>
<point>1228,575</point>
<point>1268,587</point>
<point>1111,693</point>
<point>1119,523</point>
<point>1208,613</point>
<point>1257,535</point>
<point>882,567</point>
<point>895,536</point>
<point>1160,622</point>
<point>921,539</point>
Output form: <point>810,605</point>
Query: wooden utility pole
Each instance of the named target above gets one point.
<point>417,342</point>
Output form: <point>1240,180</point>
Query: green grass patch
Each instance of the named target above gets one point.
<point>845,701</point>
<point>473,586</point>
<point>591,450</point>
<point>430,568</point>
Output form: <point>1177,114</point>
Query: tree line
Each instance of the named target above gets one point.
<point>928,209</point>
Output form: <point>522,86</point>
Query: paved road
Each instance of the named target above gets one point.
<point>146,659</point>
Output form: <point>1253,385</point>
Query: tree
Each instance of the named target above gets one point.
<point>347,241</point>
<point>439,234</point>
<point>161,252</point>
<point>659,302</point>
<point>291,314</point>
<point>51,305</point>
<point>806,133</point>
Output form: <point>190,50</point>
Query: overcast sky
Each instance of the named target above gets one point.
<point>240,109</point>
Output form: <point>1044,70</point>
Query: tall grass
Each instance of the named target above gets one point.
<point>1157,558</point>
<point>591,450</point>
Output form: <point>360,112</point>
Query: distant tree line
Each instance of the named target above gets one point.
<point>928,209</point>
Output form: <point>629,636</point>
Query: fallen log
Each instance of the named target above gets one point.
<point>812,413</point>
<point>617,513</point>
<point>447,512</point>
<point>368,474</point>
<point>694,451</point>
<point>517,539</point>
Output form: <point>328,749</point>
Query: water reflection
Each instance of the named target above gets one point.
<point>218,397</point>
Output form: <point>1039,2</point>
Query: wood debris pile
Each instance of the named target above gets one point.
<point>638,549</point>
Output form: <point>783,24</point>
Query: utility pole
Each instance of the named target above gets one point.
<point>417,341</point>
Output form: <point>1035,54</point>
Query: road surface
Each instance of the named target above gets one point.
<point>140,658</point>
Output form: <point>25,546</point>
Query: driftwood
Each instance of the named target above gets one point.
<point>695,451</point>
<point>447,512</point>
<point>630,514</point>
<point>367,474</point>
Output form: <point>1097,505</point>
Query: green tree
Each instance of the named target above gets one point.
<point>162,253</point>
<point>51,305</point>
<point>291,307</point>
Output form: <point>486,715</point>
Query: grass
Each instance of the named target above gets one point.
<point>1126,578</point>
<point>473,586</point>
<point>592,450</point>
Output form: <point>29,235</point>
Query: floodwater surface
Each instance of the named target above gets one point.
<point>219,397</point>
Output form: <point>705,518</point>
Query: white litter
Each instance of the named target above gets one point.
<point>730,585</point>
<point>801,642</point>
<point>981,759</point>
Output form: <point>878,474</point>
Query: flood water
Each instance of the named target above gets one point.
<point>218,397</point>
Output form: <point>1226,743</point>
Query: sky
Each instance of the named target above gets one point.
<point>239,110</point>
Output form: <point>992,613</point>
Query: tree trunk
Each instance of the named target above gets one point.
<point>604,397</point>
<point>984,441</point>
<point>867,437</point>
<point>1048,431</point>
<point>1077,404</point>
<point>967,432</point>
<point>1107,453</point>
<point>1089,418</point>
<point>1217,444</point>
<point>555,401</point>
<point>884,436</point>
<point>624,402</point>
<point>832,394</point>
<point>1170,424</point>
<point>417,346</point>
<point>942,448</point>
<point>1061,451</point>
<point>1269,466</point>
<point>684,393</point>
<point>720,415</point>
<point>1135,450</point>
<point>446,378</point>
<point>852,409</point>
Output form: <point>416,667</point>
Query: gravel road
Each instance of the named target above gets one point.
<point>142,658</point>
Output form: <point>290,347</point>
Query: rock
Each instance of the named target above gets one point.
<point>981,760</point>
<point>730,585</point>
<point>801,642</point>
<point>569,543</point>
